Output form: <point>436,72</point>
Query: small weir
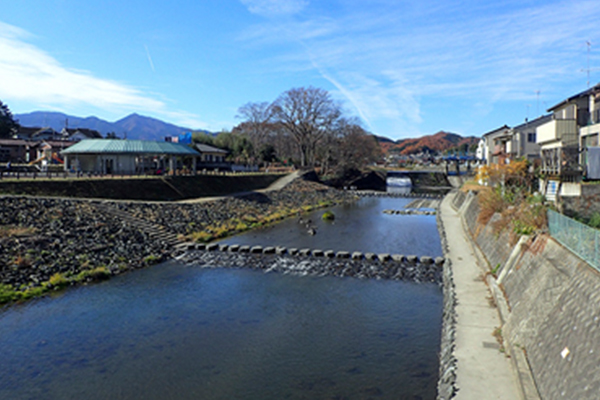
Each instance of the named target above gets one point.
<point>317,262</point>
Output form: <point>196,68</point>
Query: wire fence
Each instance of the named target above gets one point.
<point>581,239</point>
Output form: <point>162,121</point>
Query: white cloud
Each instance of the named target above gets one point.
<point>274,8</point>
<point>32,75</point>
<point>387,58</point>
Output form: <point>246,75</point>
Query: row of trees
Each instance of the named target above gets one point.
<point>303,125</point>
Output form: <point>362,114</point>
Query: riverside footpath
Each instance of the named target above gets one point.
<point>482,370</point>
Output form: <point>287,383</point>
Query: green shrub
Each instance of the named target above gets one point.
<point>328,216</point>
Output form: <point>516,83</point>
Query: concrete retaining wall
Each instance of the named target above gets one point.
<point>552,316</point>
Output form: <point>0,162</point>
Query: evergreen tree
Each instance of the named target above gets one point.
<point>8,125</point>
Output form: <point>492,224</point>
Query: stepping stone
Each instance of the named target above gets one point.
<point>440,261</point>
<point>342,254</point>
<point>317,253</point>
<point>269,250</point>
<point>293,251</point>
<point>280,250</point>
<point>426,260</point>
<point>304,252</point>
<point>256,249</point>
<point>212,247</point>
<point>244,249</point>
<point>329,253</point>
<point>223,247</point>
<point>412,259</point>
<point>234,247</point>
<point>398,258</point>
<point>371,256</point>
<point>384,257</point>
<point>357,255</point>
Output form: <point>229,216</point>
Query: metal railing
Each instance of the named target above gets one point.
<point>581,239</point>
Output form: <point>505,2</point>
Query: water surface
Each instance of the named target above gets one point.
<point>180,332</point>
<point>361,226</point>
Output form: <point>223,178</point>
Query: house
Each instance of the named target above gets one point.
<point>493,148</point>
<point>523,142</point>
<point>559,138</point>
<point>36,134</point>
<point>113,156</point>
<point>16,151</point>
<point>77,134</point>
<point>212,157</point>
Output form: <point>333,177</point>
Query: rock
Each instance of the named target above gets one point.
<point>371,256</point>
<point>384,257</point>
<point>245,249</point>
<point>439,261</point>
<point>398,258</point>
<point>212,247</point>
<point>412,259</point>
<point>269,250</point>
<point>280,250</point>
<point>357,255</point>
<point>317,253</point>
<point>329,253</point>
<point>342,254</point>
<point>426,260</point>
<point>223,247</point>
<point>234,248</point>
<point>304,252</point>
<point>256,249</point>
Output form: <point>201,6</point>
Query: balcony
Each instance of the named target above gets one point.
<point>563,130</point>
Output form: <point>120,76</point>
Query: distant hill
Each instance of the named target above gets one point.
<point>133,126</point>
<point>438,142</point>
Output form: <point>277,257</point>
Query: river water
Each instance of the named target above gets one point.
<point>177,331</point>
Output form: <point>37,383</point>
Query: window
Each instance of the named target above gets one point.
<point>531,138</point>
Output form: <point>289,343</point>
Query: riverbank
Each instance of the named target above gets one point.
<point>474,364</point>
<point>49,243</point>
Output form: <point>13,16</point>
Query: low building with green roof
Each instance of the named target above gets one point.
<point>114,156</point>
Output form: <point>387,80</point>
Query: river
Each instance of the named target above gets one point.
<point>176,331</point>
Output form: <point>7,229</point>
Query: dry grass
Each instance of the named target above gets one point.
<point>12,231</point>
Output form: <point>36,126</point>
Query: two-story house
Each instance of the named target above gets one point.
<point>523,141</point>
<point>493,148</point>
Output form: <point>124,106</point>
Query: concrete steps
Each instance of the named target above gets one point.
<point>156,232</point>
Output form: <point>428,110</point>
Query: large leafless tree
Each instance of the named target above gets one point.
<point>257,124</point>
<point>307,115</point>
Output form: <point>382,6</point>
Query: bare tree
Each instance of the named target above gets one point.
<point>307,115</point>
<point>257,122</point>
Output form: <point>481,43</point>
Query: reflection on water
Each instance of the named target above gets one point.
<point>176,332</point>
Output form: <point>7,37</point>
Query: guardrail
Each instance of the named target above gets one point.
<point>581,239</point>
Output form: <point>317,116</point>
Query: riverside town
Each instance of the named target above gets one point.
<point>265,200</point>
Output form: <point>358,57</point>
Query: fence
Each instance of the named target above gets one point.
<point>577,237</point>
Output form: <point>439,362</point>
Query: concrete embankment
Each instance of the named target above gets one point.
<point>42,237</point>
<point>549,307</point>
<point>151,188</point>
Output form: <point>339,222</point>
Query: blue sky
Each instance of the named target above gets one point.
<point>405,68</point>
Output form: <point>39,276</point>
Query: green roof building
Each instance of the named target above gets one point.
<point>114,156</point>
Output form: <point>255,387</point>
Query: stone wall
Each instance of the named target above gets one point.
<point>553,313</point>
<point>583,206</point>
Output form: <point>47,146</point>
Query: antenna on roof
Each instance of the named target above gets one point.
<point>589,45</point>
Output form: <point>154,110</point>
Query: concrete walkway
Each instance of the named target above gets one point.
<point>277,185</point>
<point>483,371</point>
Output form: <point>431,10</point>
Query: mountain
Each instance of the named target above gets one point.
<point>438,142</point>
<point>133,126</point>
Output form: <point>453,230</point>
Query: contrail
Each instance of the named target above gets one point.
<point>149,58</point>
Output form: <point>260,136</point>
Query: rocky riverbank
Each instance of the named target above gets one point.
<point>47,244</point>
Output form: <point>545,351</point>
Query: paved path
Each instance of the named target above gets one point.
<point>483,372</point>
<point>277,185</point>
